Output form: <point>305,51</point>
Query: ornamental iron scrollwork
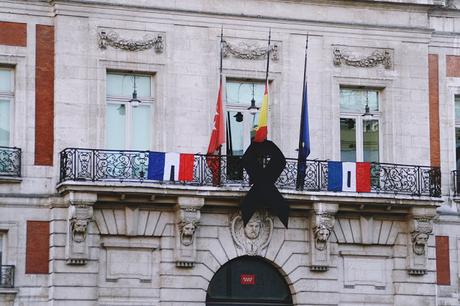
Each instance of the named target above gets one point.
<point>113,39</point>
<point>249,51</point>
<point>6,276</point>
<point>377,57</point>
<point>10,162</point>
<point>126,165</point>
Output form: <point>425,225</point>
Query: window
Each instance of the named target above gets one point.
<point>129,124</point>
<point>6,100</point>
<point>240,119</point>
<point>359,124</point>
<point>457,130</point>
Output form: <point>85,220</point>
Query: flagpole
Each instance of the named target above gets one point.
<point>220,69</point>
<point>220,84</point>
<point>301,160</point>
<point>268,55</point>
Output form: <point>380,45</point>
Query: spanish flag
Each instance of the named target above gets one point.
<point>261,128</point>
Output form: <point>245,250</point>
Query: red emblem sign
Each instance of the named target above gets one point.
<point>247,279</point>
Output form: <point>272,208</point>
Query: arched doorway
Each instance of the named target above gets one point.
<point>248,280</point>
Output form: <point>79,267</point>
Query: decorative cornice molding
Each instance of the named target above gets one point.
<point>249,50</point>
<point>111,38</point>
<point>380,56</point>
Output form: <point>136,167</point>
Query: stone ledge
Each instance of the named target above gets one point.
<point>9,290</point>
<point>10,179</point>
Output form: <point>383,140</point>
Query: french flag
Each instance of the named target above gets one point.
<point>170,166</point>
<point>349,176</point>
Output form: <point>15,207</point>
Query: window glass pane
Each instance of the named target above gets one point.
<point>116,121</point>
<point>5,80</point>
<point>354,100</point>
<point>457,109</point>
<point>141,129</point>
<point>114,84</point>
<point>143,86</point>
<point>241,93</point>
<point>4,123</point>
<point>123,85</point>
<point>235,134</point>
<point>347,139</point>
<point>371,140</point>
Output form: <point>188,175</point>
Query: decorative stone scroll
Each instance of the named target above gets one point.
<point>322,224</point>
<point>380,56</point>
<point>253,238</point>
<point>187,221</point>
<point>249,50</point>
<point>113,39</point>
<point>421,228</point>
<point>79,218</point>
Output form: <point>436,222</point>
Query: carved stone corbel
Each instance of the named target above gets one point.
<point>420,229</point>
<point>187,221</point>
<point>80,215</point>
<point>322,224</point>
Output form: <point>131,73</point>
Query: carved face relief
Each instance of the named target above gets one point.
<point>419,241</point>
<point>79,229</point>
<point>187,230</point>
<point>253,237</point>
<point>322,233</point>
<point>252,229</point>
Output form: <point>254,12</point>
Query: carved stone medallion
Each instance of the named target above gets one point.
<point>255,236</point>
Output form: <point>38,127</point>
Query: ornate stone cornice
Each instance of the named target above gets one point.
<point>249,50</point>
<point>381,56</point>
<point>111,38</point>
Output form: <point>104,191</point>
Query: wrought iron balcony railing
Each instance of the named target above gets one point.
<point>10,161</point>
<point>112,165</point>
<point>7,277</point>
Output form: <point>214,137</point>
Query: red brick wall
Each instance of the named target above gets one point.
<point>44,95</point>
<point>453,66</point>
<point>37,247</point>
<point>433,90</point>
<point>442,260</point>
<point>13,34</point>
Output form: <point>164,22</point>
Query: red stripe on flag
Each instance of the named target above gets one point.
<point>186,167</point>
<point>363,177</point>
<point>261,134</point>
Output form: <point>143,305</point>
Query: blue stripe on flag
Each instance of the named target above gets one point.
<point>334,176</point>
<point>156,166</point>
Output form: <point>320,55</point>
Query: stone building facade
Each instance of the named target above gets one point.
<point>81,223</point>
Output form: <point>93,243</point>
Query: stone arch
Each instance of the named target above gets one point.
<point>252,280</point>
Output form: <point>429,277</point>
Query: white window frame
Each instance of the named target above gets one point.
<point>124,100</point>
<point>9,95</point>
<point>359,119</point>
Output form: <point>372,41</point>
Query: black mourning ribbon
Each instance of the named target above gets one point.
<point>263,193</point>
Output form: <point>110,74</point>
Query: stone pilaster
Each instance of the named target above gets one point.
<point>187,221</point>
<point>322,224</point>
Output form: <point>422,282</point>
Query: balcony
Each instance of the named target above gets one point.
<point>132,166</point>
<point>7,277</point>
<point>10,162</point>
